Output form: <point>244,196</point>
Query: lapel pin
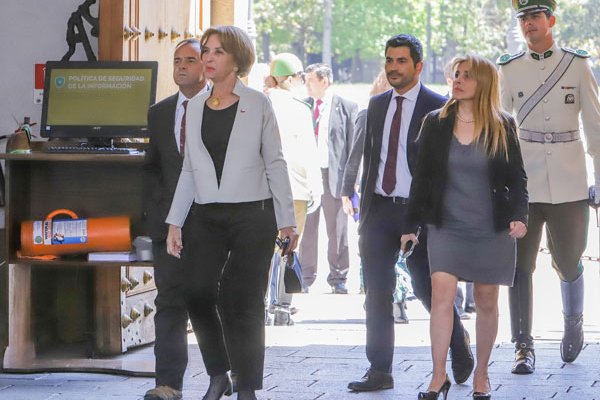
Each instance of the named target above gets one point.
<point>243,110</point>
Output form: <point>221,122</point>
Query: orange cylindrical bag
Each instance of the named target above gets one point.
<point>75,235</point>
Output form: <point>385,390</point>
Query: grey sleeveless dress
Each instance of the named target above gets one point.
<point>466,245</point>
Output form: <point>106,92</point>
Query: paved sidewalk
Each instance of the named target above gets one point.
<point>324,350</point>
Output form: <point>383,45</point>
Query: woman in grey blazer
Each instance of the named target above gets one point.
<point>235,190</point>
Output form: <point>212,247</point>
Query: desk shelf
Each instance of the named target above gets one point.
<point>71,297</point>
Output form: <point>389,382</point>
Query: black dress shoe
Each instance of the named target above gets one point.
<point>431,395</point>
<point>219,385</point>
<point>462,360</point>
<point>373,380</point>
<point>339,288</point>
<point>524,360</point>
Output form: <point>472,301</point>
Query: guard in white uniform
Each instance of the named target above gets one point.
<point>548,88</point>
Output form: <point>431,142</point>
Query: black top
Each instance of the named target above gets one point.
<point>216,129</point>
<point>507,178</point>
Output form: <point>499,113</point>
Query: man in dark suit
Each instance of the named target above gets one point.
<point>164,158</point>
<point>390,154</point>
<point>333,119</point>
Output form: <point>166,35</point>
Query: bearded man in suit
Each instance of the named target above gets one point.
<point>390,155</point>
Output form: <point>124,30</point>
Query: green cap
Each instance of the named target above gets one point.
<point>532,6</point>
<point>285,64</point>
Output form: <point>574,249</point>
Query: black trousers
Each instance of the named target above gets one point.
<point>379,245</point>
<point>336,222</point>
<point>170,320</point>
<point>566,232</point>
<point>226,305</point>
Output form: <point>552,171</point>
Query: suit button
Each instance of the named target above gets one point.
<point>547,118</point>
<point>545,100</point>
<point>548,152</point>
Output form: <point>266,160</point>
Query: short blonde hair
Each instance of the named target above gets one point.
<point>235,42</point>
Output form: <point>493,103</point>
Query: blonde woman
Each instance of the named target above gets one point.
<point>470,190</point>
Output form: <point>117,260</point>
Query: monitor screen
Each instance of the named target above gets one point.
<point>98,99</point>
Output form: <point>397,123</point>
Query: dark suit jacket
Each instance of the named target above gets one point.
<point>508,182</point>
<point>427,101</point>
<point>341,136</point>
<point>162,166</point>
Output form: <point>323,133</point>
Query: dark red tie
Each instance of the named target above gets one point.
<point>182,129</point>
<point>316,116</point>
<point>389,172</point>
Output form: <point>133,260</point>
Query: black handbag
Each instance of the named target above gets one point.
<point>292,277</point>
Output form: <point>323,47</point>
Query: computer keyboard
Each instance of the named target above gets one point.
<point>90,150</point>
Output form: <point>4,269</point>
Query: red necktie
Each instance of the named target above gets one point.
<point>389,172</point>
<point>316,116</point>
<point>182,129</point>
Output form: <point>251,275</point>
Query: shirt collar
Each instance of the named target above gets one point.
<point>546,54</point>
<point>181,97</point>
<point>411,95</point>
<point>326,99</point>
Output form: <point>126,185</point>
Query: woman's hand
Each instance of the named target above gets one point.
<point>517,229</point>
<point>174,243</point>
<point>404,239</point>
<point>289,232</point>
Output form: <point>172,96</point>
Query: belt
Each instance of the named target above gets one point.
<point>548,137</point>
<point>392,199</point>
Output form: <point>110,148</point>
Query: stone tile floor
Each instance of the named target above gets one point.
<point>315,358</point>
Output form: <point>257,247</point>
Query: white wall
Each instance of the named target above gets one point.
<point>33,32</point>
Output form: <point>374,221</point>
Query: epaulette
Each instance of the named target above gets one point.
<point>506,58</point>
<point>303,102</point>
<point>578,52</point>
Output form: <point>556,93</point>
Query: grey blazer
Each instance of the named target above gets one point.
<point>254,167</point>
<point>341,136</point>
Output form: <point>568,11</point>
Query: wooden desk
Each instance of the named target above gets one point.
<point>70,314</point>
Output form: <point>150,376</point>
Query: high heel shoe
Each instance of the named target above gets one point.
<point>431,395</point>
<point>483,395</point>
<point>219,385</point>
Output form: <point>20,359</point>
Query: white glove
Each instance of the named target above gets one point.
<point>313,204</point>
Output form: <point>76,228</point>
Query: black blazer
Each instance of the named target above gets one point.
<point>162,166</point>
<point>508,181</point>
<point>427,101</point>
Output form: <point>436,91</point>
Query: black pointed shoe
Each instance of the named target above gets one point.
<point>524,360</point>
<point>431,395</point>
<point>462,360</point>
<point>373,380</point>
<point>483,395</point>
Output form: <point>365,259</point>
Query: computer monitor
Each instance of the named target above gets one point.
<point>97,101</point>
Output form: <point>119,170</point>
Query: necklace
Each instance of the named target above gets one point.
<point>214,102</point>
<point>466,121</point>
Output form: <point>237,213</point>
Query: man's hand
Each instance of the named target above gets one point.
<point>347,206</point>
<point>174,243</point>
<point>289,232</point>
<point>313,204</point>
<point>517,229</point>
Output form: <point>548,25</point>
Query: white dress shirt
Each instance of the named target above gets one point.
<point>403,176</point>
<point>179,111</point>
<point>323,137</point>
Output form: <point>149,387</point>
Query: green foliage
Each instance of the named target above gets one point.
<point>450,27</point>
<point>571,17</point>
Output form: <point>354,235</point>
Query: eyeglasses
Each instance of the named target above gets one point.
<point>404,255</point>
